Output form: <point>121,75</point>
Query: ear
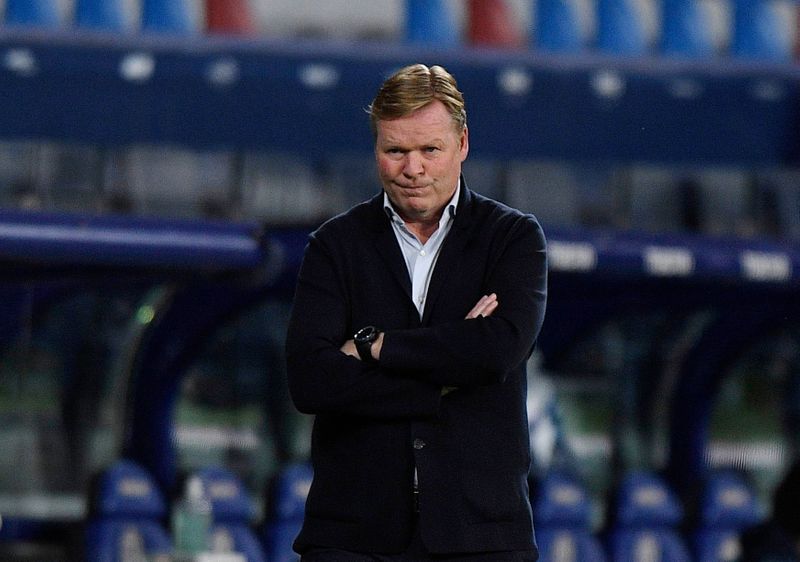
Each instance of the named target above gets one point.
<point>464,148</point>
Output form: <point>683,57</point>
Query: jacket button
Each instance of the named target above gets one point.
<point>419,444</point>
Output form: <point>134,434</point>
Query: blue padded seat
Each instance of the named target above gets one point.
<point>286,507</point>
<point>562,520</point>
<point>728,507</point>
<point>620,30</point>
<point>557,27</point>
<point>100,15</point>
<point>685,29</point>
<point>232,513</point>
<point>126,507</point>
<point>33,13</point>
<point>167,16</point>
<point>429,22</point>
<point>645,520</point>
<point>761,31</point>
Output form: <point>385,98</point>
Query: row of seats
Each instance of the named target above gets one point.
<point>128,513</point>
<point>759,27</point>
<point>646,521</point>
<point>645,524</point>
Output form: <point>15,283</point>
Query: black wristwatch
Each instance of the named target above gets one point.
<point>364,338</point>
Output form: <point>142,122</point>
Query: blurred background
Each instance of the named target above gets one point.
<point>162,162</point>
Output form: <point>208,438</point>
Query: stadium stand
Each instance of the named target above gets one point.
<point>127,515</point>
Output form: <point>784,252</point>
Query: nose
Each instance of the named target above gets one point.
<point>413,164</point>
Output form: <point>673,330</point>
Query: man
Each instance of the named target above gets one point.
<point>413,318</point>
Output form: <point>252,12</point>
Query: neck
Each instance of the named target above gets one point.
<point>423,230</point>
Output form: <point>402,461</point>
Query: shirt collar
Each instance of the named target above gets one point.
<point>450,213</point>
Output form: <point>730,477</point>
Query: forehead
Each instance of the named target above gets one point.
<point>430,121</point>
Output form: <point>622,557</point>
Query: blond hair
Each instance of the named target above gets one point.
<point>412,88</point>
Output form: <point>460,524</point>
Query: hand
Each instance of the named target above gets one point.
<point>349,348</point>
<point>485,306</point>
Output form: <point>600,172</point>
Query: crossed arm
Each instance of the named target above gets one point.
<point>484,307</point>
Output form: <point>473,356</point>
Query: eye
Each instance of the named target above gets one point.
<point>431,149</point>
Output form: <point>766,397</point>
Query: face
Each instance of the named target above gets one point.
<point>419,161</point>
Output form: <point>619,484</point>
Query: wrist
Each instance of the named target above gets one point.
<point>364,340</point>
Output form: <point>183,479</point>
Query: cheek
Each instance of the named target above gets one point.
<point>387,168</point>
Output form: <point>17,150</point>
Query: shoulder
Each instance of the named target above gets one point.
<point>494,216</point>
<point>351,224</point>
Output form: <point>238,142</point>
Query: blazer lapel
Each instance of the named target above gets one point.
<point>388,248</point>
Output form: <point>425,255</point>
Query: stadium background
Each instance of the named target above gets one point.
<point>162,160</point>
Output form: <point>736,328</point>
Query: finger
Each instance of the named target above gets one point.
<point>490,308</point>
<point>481,307</point>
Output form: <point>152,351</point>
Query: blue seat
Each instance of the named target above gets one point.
<point>645,520</point>
<point>101,15</point>
<point>685,29</point>
<point>562,520</point>
<point>557,27</point>
<point>728,507</point>
<point>167,16</point>
<point>761,31</point>
<point>286,506</point>
<point>34,13</point>
<point>429,22</point>
<point>232,513</point>
<point>127,512</point>
<point>620,30</point>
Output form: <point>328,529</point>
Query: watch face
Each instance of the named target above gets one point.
<point>366,334</point>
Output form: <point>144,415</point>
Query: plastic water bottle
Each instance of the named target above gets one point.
<point>191,519</point>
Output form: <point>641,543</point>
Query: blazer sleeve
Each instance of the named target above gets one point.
<point>483,351</point>
<point>322,379</point>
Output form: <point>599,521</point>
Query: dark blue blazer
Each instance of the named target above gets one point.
<point>375,422</point>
